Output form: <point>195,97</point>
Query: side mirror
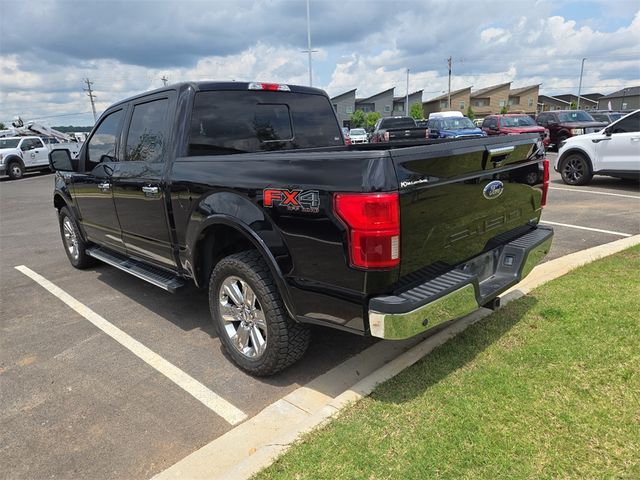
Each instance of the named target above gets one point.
<point>608,131</point>
<point>60,160</point>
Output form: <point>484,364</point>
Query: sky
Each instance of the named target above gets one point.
<point>48,47</point>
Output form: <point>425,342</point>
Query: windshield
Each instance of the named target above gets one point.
<point>9,142</point>
<point>358,131</point>
<point>616,116</point>
<point>577,116</point>
<point>457,123</point>
<point>523,121</point>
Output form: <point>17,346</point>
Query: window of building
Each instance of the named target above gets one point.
<point>514,100</point>
<point>480,102</point>
<point>461,104</point>
<point>348,109</point>
<point>530,102</point>
<point>444,104</point>
<point>387,108</point>
<point>398,107</point>
<point>335,107</point>
<point>502,103</point>
<point>146,137</point>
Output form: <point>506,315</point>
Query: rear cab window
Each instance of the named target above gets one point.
<point>225,122</point>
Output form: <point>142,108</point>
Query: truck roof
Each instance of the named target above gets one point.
<point>205,86</point>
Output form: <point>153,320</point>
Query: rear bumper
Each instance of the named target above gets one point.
<point>459,291</point>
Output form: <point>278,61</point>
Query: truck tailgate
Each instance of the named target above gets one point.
<point>456,196</point>
<point>405,134</point>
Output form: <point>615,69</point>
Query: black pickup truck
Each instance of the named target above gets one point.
<point>248,190</point>
<point>398,130</point>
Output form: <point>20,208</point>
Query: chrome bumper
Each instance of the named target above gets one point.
<point>457,292</point>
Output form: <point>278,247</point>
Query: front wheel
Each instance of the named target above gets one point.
<point>74,245</point>
<point>250,318</point>
<point>15,170</point>
<point>575,170</point>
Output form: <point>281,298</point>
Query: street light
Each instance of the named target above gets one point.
<point>580,85</point>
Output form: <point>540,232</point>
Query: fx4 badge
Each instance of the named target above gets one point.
<point>306,201</point>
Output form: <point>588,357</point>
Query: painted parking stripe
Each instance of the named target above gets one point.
<point>196,389</point>
<point>610,232</point>
<point>637,197</point>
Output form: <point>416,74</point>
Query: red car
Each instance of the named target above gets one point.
<point>514,124</point>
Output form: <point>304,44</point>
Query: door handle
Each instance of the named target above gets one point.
<point>106,186</point>
<point>149,190</point>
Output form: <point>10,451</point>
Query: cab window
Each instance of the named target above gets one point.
<point>146,139</point>
<point>102,145</point>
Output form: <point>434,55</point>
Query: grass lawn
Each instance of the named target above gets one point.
<point>547,387</point>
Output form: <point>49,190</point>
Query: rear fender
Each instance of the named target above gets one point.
<point>231,210</point>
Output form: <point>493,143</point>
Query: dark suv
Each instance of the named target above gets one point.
<point>563,124</point>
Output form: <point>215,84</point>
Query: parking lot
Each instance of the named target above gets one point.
<point>76,403</point>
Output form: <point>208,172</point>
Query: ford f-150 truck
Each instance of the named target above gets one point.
<point>248,190</point>
<point>397,129</point>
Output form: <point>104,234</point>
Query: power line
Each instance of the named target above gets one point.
<point>91,97</point>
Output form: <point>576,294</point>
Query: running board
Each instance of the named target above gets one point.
<point>155,276</point>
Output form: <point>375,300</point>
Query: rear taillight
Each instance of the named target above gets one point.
<point>273,87</point>
<point>373,223</point>
<point>545,181</point>
<point>386,136</point>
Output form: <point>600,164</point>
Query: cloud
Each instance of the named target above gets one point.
<point>126,47</point>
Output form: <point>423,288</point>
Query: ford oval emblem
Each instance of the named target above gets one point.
<point>493,190</point>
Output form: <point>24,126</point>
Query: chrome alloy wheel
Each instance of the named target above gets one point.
<point>70,238</point>
<point>574,170</point>
<point>243,317</point>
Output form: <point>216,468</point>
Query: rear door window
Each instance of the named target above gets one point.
<point>225,122</point>
<point>146,139</point>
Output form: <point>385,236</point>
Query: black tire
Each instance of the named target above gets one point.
<point>15,170</point>
<point>71,237</point>
<point>285,342</point>
<point>576,170</point>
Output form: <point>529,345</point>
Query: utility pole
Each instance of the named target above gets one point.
<point>407,99</point>
<point>580,84</point>
<point>449,94</point>
<point>92,97</point>
<point>164,80</point>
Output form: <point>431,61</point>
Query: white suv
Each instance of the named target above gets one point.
<point>613,151</point>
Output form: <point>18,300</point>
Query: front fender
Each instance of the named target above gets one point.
<point>570,150</point>
<point>240,213</point>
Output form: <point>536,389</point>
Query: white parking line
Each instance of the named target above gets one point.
<point>588,228</point>
<point>196,389</point>
<point>637,197</point>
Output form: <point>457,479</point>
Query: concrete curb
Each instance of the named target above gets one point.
<point>258,442</point>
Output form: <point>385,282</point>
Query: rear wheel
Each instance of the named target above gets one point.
<point>575,170</point>
<point>15,170</point>
<point>250,318</point>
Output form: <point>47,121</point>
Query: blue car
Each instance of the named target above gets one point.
<point>453,127</point>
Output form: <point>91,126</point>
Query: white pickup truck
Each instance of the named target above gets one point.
<point>21,154</point>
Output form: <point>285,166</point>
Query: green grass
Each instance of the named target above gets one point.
<point>547,387</point>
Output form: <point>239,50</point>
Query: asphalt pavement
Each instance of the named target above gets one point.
<point>76,402</point>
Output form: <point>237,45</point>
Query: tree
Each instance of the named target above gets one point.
<point>2,127</point>
<point>372,118</point>
<point>573,106</point>
<point>358,119</point>
<point>470,113</point>
<point>504,110</point>
<point>416,111</point>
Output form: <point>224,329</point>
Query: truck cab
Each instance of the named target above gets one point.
<point>21,154</point>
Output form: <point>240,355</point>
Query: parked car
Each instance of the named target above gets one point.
<point>286,231</point>
<point>345,134</point>
<point>22,154</point>
<point>613,151</point>
<point>453,127</point>
<point>563,124</point>
<point>478,122</point>
<point>397,129</point>
<point>358,135</point>
<point>513,124</point>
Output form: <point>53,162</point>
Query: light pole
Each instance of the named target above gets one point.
<point>406,108</point>
<point>580,84</point>
<point>309,51</point>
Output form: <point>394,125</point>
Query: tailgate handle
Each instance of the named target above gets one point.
<point>500,152</point>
